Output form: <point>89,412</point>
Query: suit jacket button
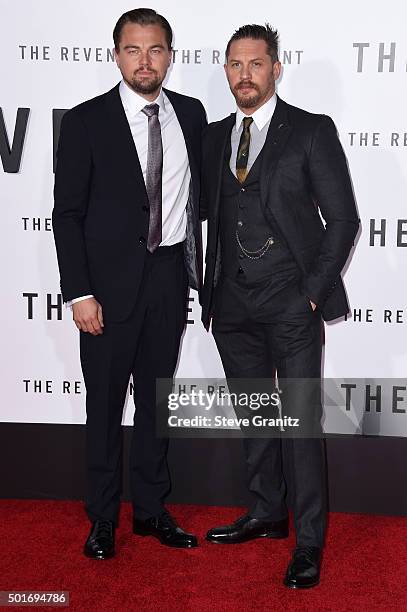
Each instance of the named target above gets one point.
<point>142,240</point>
<point>240,270</point>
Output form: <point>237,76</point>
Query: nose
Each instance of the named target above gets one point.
<point>145,59</point>
<point>245,72</point>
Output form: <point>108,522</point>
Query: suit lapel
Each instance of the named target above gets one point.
<point>277,136</point>
<point>219,145</point>
<point>121,137</point>
<point>183,120</point>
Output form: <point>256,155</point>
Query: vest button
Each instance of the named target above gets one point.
<point>243,190</point>
<point>240,223</point>
<point>240,270</point>
<point>142,240</point>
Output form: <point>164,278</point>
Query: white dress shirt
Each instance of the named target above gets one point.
<point>176,175</point>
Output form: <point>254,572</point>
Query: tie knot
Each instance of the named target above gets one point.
<point>151,109</point>
<point>247,121</point>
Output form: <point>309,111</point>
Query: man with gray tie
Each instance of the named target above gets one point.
<point>128,242</point>
<point>273,273</point>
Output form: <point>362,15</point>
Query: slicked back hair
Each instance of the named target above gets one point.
<point>257,32</point>
<point>144,17</point>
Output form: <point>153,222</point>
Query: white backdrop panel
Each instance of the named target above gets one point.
<point>346,59</point>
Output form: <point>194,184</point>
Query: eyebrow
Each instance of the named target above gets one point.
<point>255,59</point>
<point>159,45</point>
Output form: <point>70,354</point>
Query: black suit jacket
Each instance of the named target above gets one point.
<point>101,214</point>
<point>303,173</point>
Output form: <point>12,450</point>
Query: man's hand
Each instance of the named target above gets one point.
<point>88,317</point>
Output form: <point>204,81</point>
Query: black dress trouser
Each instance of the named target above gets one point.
<point>146,346</point>
<point>258,327</point>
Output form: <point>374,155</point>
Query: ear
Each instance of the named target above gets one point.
<point>276,70</point>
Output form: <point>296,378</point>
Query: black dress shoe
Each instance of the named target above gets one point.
<point>247,528</point>
<point>165,529</point>
<point>100,542</point>
<point>303,570</point>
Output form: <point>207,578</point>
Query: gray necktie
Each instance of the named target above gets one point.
<point>154,176</point>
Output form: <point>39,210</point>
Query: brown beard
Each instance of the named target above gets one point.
<point>244,101</point>
<point>146,85</point>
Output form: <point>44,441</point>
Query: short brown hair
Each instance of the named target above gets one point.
<point>258,32</point>
<point>144,17</point>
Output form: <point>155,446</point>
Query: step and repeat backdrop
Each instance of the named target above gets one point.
<point>345,59</point>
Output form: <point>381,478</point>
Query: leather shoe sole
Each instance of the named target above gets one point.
<point>246,529</point>
<point>99,556</point>
<point>274,535</point>
<point>296,585</point>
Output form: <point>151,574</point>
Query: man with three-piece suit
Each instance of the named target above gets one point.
<point>273,273</point>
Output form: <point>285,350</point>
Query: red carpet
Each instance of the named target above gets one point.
<point>364,569</point>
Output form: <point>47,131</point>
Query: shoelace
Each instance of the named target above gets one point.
<point>305,552</point>
<point>103,529</point>
<point>167,520</point>
<point>241,521</point>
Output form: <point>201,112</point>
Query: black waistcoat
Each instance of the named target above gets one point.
<point>241,212</point>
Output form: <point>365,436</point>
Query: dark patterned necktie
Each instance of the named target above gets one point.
<point>243,151</point>
<point>154,176</point>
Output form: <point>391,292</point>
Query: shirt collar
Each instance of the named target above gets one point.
<point>133,103</point>
<point>261,116</point>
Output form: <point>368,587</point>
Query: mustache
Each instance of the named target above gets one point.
<point>245,84</point>
<point>150,70</point>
